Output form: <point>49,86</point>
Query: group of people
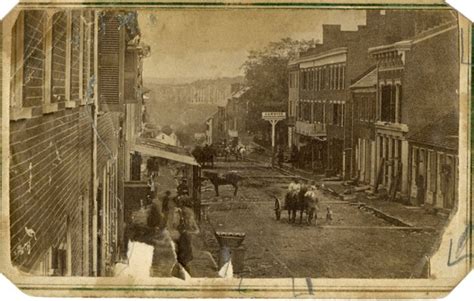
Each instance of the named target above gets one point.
<point>157,219</point>
<point>304,197</point>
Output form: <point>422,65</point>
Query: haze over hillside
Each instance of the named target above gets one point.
<point>176,104</point>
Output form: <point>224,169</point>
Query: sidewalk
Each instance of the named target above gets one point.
<point>163,241</point>
<point>408,215</point>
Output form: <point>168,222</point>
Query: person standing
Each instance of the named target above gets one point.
<point>183,188</point>
<point>165,206</point>
<point>184,247</point>
<point>420,193</point>
<point>301,199</point>
<point>154,217</point>
<point>312,198</point>
<point>294,186</point>
<point>294,156</point>
<point>280,157</point>
<point>152,187</point>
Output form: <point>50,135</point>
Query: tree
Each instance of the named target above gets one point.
<point>267,76</point>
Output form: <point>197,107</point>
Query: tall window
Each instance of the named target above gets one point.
<point>338,114</point>
<point>86,34</point>
<point>34,56</point>
<point>75,54</point>
<point>58,57</point>
<point>303,79</point>
<point>323,78</point>
<point>389,103</point>
<point>91,43</point>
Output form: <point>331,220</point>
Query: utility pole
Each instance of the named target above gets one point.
<point>273,118</point>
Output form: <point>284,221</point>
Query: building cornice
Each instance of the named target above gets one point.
<point>398,46</point>
<point>319,56</point>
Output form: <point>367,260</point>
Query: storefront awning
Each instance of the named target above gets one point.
<point>153,148</point>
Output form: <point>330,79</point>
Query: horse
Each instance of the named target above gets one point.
<point>301,202</point>
<point>204,155</point>
<point>228,178</point>
<point>226,151</point>
<point>240,152</point>
<point>208,156</point>
<point>291,201</point>
<point>312,205</point>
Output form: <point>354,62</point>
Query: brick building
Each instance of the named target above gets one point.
<point>236,110</point>
<point>364,98</point>
<point>417,84</point>
<point>73,84</point>
<point>215,127</point>
<point>320,79</point>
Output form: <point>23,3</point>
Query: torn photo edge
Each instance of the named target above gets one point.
<point>451,262</point>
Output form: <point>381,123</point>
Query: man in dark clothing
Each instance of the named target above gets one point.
<point>420,193</point>
<point>165,205</point>
<point>183,188</point>
<point>165,208</point>
<point>154,217</point>
<point>294,156</point>
<point>280,157</point>
<point>184,247</point>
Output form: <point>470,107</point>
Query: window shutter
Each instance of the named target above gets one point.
<point>110,48</point>
<point>130,77</point>
<point>58,83</point>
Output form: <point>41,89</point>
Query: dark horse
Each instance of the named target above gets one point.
<point>291,201</point>
<point>296,201</point>
<point>228,178</point>
<point>204,155</point>
<point>301,203</point>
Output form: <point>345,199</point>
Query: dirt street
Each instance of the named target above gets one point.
<point>356,243</point>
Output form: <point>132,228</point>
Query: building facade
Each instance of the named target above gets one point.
<point>67,130</point>
<point>215,127</point>
<point>415,88</point>
<point>236,111</point>
<point>320,79</point>
<point>364,100</point>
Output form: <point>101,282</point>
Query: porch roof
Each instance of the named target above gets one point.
<point>443,133</point>
<point>154,148</point>
<point>368,80</point>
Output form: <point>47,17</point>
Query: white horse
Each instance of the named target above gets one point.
<point>312,198</point>
<point>240,152</point>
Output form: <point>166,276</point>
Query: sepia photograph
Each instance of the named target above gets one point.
<point>235,142</point>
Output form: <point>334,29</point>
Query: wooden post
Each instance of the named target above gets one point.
<point>273,118</point>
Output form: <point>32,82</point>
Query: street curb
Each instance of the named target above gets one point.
<point>391,219</point>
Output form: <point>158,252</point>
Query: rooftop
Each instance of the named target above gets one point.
<point>443,133</point>
<point>366,80</point>
<point>318,56</point>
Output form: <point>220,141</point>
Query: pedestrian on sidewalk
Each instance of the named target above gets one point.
<point>154,217</point>
<point>165,207</point>
<point>294,156</point>
<point>184,247</point>
<point>152,187</point>
<point>182,188</point>
<point>280,157</point>
<point>420,193</point>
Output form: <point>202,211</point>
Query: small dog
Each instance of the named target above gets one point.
<point>328,214</point>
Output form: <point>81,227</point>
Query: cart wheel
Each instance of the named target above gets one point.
<point>277,209</point>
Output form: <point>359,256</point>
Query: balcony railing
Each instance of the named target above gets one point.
<point>311,129</point>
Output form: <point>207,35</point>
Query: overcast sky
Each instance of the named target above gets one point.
<point>188,43</point>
